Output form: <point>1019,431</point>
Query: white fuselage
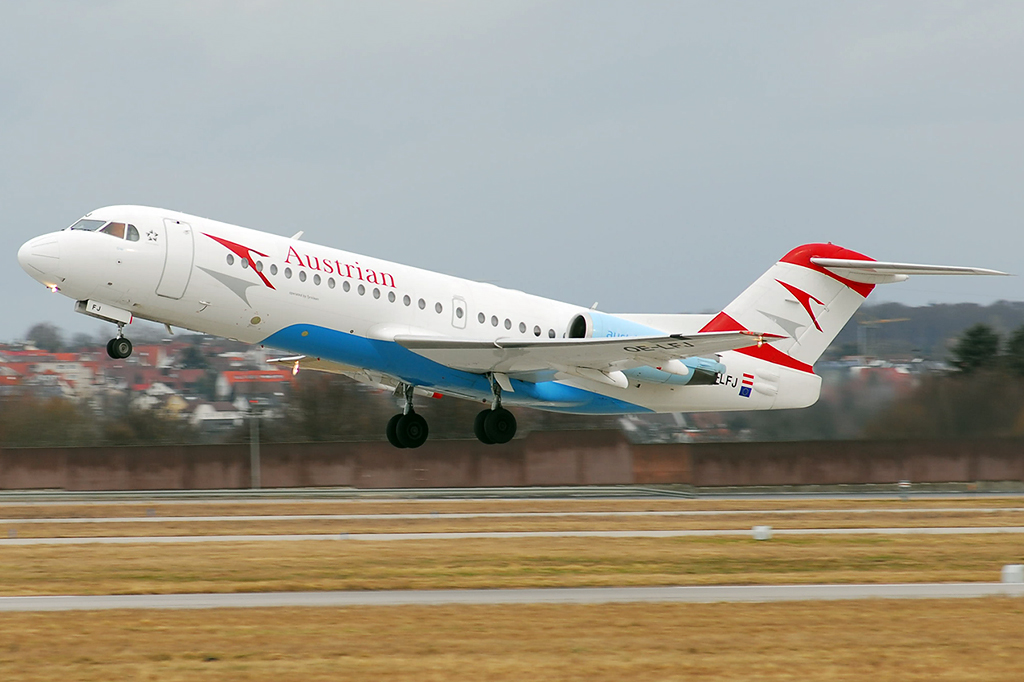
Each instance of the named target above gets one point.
<point>346,308</point>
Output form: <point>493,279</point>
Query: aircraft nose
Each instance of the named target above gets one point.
<point>40,256</point>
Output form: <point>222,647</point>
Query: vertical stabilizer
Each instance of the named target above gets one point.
<point>799,299</point>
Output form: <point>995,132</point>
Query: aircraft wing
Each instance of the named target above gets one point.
<point>516,356</point>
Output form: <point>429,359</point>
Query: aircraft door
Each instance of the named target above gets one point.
<point>459,312</point>
<point>178,256</point>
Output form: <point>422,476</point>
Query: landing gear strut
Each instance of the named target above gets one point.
<point>407,429</point>
<point>495,425</point>
<point>119,347</point>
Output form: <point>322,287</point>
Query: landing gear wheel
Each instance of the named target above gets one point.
<point>119,348</point>
<point>479,430</point>
<point>392,431</point>
<point>412,430</point>
<point>500,425</point>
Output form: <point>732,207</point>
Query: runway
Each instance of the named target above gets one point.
<point>503,515</point>
<point>398,537</point>
<point>579,595</point>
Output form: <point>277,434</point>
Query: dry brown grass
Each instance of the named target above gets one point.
<point>477,563</point>
<point>975,639</point>
<point>437,525</point>
<point>377,506</point>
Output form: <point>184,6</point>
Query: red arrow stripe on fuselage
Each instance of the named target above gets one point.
<point>245,253</point>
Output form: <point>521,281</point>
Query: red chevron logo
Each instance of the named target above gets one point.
<point>245,253</point>
<point>805,300</point>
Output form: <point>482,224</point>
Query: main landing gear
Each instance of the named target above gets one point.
<point>407,429</point>
<point>496,425</point>
<point>119,348</point>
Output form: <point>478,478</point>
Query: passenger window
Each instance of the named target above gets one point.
<point>480,318</point>
<point>133,234</point>
<point>551,333</point>
<point>406,300</point>
<point>391,296</point>
<point>273,269</point>
<point>302,273</point>
<point>536,331</point>
<point>522,327</point>
<point>316,280</point>
<point>114,230</point>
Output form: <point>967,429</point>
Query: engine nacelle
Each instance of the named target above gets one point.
<point>595,325</point>
<point>699,372</point>
<point>686,371</point>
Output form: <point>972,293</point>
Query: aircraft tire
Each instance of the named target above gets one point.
<point>500,425</point>
<point>392,431</point>
<point>110,349</point>
<point>120,348</point>
<point>412,430</point>
<point>479,430</point>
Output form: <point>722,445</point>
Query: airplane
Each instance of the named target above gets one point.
<point>421,333</point>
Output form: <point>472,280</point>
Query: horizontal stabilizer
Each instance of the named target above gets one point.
<point>877,272</point>
<point>514,356</point>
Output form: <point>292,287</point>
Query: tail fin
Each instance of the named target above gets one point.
<point>806,302</point>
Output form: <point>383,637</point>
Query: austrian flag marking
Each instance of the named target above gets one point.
<point>746,385</point>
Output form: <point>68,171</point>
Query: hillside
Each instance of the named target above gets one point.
<point>925,332</point>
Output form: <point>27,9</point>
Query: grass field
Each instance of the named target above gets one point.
<point>877,640</point>
<point>523,562</point>
<point>691,515</point>
<point>970,639</point>
<point>239,507</point>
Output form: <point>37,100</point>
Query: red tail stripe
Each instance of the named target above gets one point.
<point>802,256</point>
<point>766,352</point>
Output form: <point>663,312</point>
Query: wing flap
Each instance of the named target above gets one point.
<point>515,356</point>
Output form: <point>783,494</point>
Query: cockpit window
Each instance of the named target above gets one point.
<point>114,229</point>
<point>133,234</point>
<point>90,225</point>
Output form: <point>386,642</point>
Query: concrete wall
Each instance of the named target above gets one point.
<point>563,458</point>
<point>578,458</point>
<point>832,462</point>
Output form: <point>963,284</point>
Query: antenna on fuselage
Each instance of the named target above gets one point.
<point>298,235</point>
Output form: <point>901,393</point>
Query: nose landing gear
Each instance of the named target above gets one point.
<point>407,429</point>
<point>119,348</point>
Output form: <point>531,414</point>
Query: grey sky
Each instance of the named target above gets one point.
<point>652,156</point>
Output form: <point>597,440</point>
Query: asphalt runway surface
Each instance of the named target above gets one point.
<point>579,595</point>
<point>397,537</point>
<point>413,495</point>
<point>504,515</point>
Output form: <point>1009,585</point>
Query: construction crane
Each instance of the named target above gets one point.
<point>865,325</point>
